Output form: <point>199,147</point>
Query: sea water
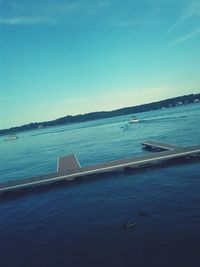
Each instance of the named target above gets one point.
<point>81,224</point>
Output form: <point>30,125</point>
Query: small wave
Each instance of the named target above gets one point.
<point>160,119</point>
<point>125,127</point>
<point>52,132</point>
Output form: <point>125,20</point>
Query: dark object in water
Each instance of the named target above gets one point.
<point>129,224</point>
<point>143,214</point>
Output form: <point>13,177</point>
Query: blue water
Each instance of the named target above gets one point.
<point>82,224</point>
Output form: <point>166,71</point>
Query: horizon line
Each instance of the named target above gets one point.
<point>82,114</point>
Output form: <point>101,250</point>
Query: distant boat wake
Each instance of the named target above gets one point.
<point>160,119</point>
<point>130,126</point>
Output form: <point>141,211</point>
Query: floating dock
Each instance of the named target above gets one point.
<point>68,168</point>
<point>157,146</point>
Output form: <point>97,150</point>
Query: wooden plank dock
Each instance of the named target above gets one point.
<point>69,168</point>
<point>158,146</point>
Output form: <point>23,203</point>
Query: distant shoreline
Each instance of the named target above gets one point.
<point>167,103</point>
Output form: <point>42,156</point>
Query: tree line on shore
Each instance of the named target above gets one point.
<point>167,103</point>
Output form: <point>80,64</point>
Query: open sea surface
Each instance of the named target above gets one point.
<point>81,223</point>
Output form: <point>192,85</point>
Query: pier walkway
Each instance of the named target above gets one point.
<point>157,146</point>
<point>69,168</point>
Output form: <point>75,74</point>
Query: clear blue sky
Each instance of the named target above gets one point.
<point>61,57</point>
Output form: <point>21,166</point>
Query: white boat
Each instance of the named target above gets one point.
<point>11,137</point>
<point>134,119</point>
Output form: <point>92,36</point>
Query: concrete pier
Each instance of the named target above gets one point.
<point>68,168</point>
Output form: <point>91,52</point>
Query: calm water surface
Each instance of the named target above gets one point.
<point>82,224</point>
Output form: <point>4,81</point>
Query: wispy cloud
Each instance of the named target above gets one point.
<point>186,37</point>
<point>24,20</point>
<point>20,13</point>
<point>190,10</point>
<point>130,13</point>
